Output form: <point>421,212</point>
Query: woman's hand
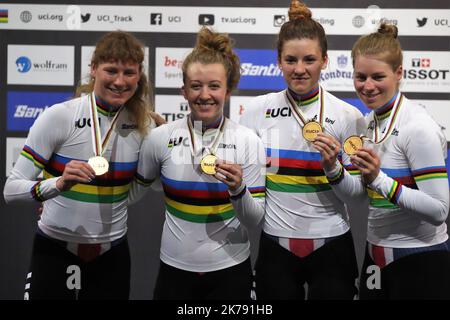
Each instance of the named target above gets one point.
<point>75,172</point>
<point>329,148</point>
<point>367,162</point>
<point>229,173</point>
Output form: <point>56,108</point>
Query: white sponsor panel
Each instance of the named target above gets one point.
<point>41,65</point>
<point>171,107</point>
<point>86,56</point>
<point>338,76</point>
<point>13,148</point>
<point>440,111</point>
<point>238,106</point>
<point>168,63</point>
<point>426,71</point>
<point>336,21</point>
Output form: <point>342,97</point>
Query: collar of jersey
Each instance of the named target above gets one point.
<point>305,99</point>
<point>385,110</point>
<point>207,129</point>
<point>104,108</point>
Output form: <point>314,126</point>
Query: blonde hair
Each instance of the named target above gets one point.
<point>213,47</point>
<point>301,26</point>
<point>124,47</point>
<point>383,44</point>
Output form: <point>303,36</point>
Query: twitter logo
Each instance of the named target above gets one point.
<point>421,22</point>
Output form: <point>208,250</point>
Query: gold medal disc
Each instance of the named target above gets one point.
<point>99,164</point>
<point>351,144</point>
<point>208,164</point>
<point>311,129</point>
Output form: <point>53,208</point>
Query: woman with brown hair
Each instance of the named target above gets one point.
<point>306,236</point>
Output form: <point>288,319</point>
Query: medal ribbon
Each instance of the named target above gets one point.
<point>376,137</point>
<point>98,144</point>
<point>216,140</point>
<point>297,112</point>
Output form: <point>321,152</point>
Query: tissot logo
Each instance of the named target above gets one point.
<point>85,18</point>
<point>156,18</point>
<point>206,19</point>
<point>421,22</point>
<point>421,62</point>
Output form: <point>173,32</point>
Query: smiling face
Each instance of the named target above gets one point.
<point>301,62</point>
<point>206,91</point>
<point>115,81</point>
<point>374,80</point>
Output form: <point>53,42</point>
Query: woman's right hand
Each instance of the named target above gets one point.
<point>329,148</point>
<point>75,172</point>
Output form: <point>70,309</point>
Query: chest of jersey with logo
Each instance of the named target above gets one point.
<point>87,213</point>
<point>299,201</point>
<point>201,232</point>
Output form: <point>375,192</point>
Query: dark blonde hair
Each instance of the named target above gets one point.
<point>301,26</point>
<point>212,47</point>
<point>383,44</point>
<point>122,46</point>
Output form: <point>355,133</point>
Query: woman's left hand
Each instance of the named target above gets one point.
<point>229,173</point>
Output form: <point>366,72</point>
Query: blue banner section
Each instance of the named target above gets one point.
<point>24,107</point>
<point>260,70</point>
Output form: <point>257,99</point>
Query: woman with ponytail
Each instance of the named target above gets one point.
<point>403,174</point>
<point>306,237</point>
<point>212,172</point>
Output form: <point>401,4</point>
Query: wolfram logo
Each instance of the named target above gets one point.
<point>23,64</point>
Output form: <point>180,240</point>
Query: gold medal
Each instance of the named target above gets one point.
<point>208,164</point>
<point>311,129</point>
<point>99,164</point>
<point>352,143</point>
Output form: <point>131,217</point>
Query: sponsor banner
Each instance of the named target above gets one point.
<point>260,70</point>
<point>86,56</point>
<point>168,63</point>
<point>238,105</point>
<point>171,107</point>
<point>13,148</point>
<point>41,65</point>
<point>426,71</point>
<point>336,21</point>
<point>338,76</point>
<point>25,107</point>
<point>440,111</point>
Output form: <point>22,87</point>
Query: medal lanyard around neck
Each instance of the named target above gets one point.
<point>196,149</point>
<point>98,145</point>
<point>297,112</point>
<point>377,138</point>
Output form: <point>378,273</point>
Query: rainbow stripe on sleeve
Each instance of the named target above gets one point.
<point>39,161</point>
<point>200,202</point>
<point>108,188</point>
<point>402,177</point>
<point>294,171</point>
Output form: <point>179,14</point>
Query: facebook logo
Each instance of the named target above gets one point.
<point>155,18</point>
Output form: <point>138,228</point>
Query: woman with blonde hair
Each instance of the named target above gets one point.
<point>401,158</point>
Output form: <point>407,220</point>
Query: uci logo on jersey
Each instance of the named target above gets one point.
<point>173,142</point>
<point>81,123</point>
<point>275,112</point>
